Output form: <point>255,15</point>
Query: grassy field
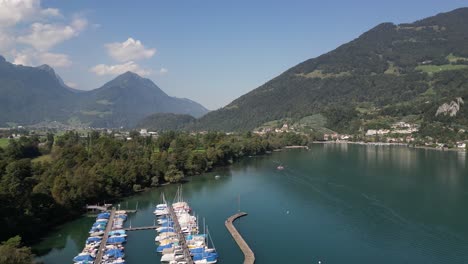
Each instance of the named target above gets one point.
<point>439,68</point>
<point>4,142</point>
<point>453,58</point>
<point>322,75</point>
<point>43,158</point>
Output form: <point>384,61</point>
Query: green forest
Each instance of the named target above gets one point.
<point>37,195</point>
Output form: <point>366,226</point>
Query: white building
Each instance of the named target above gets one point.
<point>373,132</point>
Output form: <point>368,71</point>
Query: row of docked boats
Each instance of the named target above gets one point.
<point>113,250</point>
<point>179,231</point>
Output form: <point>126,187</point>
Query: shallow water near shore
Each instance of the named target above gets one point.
<point>335,203</point>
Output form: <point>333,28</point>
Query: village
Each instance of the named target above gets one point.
<point>399,133</point>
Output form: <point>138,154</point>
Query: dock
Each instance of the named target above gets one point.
<point>182,242</point>
<point>96,207</point>
<point>102,247</point>
<point>249,257</point>
<point>140,228</point>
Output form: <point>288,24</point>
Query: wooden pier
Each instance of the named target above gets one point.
<point>249,257</point>
<point>102,247</point>
<point>102,208</point>
<point>182,241</point>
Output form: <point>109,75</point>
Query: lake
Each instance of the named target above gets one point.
<point>335,203</point>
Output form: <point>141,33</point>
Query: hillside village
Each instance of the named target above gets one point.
<point>399,133</point>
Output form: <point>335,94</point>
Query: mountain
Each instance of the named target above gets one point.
<point>166,121</point>
<point>30,95</point>
<point>127,99</point>
<point>389,73</point>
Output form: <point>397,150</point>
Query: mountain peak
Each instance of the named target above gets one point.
<point>130,75</point>
<point>47,68</point>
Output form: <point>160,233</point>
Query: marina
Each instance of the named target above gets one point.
<point>350,207</point>
<point>105,243</point>
<point>179,240</point>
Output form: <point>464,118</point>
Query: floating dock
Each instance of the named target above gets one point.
<point>140,228</point>
<point>102,247</point>
<point>249,257</point>
<point>182,242</point>
<point>96,207</point>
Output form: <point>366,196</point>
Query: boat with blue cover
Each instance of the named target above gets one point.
<point>83,257</point>
<point>105,215</point>
<point>116,240</point>
<point>114,253</point>
<point>160,249</point>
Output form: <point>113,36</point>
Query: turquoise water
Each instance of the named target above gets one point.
<point>334,204</point>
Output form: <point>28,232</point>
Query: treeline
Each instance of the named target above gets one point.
<point>36,195</point>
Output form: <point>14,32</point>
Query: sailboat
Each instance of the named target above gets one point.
<point>161,209</point>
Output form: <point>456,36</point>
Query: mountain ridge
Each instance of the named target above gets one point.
<point>36,94</point>
<point>385,67</point>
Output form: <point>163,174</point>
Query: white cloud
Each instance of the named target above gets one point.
<point>129,50</point>
<point>6,42</point>
<point>16,11</point>
<point>163,71</point>
<point>23,59</point>
<point>44,36</point>
<point>51,12</point>
<point>103,69</point>
<point>71,84</point>
<point>35,58</point>
<point>55,59</point>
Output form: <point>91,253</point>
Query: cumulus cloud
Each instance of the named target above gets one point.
<point>45,36</point>
<point>6,42</point>
<point>35,58</point>
<point>103,69</point>
<point>129,50</point>
<point>16,11</point>
<point>163,71</point>
<point>55,59</point>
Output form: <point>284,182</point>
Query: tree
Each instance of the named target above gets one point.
<point>50,141</point>
<point>173,175</point>
<point>11,252</point>
<point>14,183</point>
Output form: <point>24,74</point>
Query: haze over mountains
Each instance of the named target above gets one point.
<point>35,94</point>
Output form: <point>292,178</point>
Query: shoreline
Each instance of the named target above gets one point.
<point>389,144</point>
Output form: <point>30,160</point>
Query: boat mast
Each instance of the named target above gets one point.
<point>211,239</point>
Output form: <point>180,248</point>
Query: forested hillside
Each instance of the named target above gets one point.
<point>166,122</point>
<point>391,72</point>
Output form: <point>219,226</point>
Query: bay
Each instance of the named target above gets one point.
<point>335,203</point>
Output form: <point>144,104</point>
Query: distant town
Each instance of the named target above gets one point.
<point>399,133</point>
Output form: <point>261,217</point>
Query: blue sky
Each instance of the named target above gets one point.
<point>208,51</point>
